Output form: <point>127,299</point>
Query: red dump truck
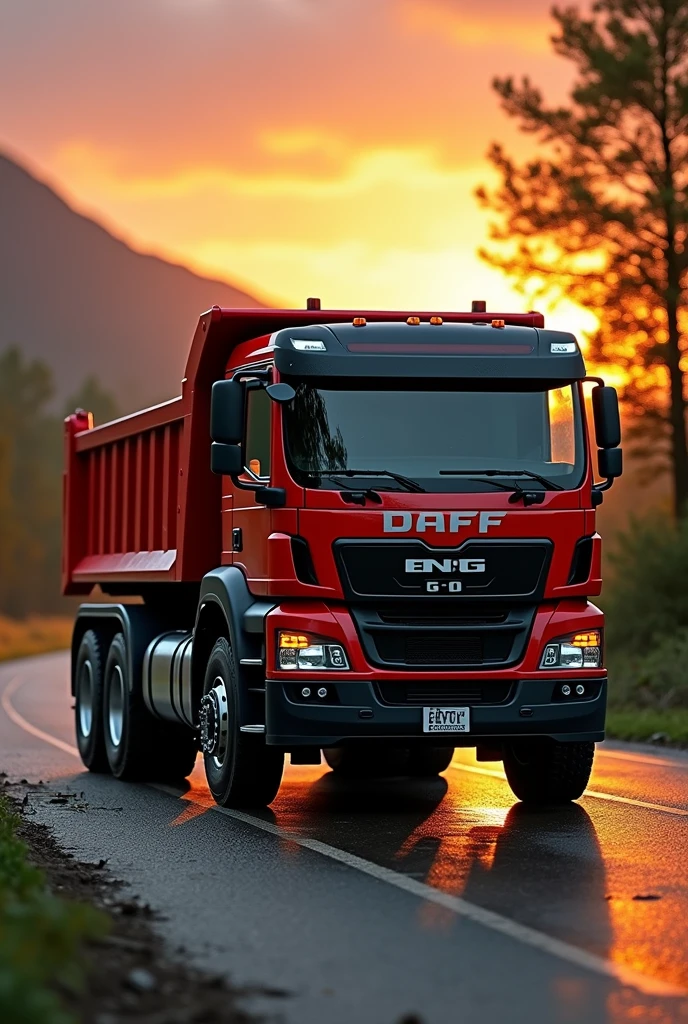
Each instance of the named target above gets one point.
<point>366,535</point>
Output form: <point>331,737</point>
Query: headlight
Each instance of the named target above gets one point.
<point>579,650</point>
<point>305,652</point>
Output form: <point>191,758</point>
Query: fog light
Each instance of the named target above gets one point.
<point>306,691</point>
<point>566,690</point>
<point>322,692</point>
<point>580,689</point>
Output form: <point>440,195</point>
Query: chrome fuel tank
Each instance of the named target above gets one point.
<point>167,677</point>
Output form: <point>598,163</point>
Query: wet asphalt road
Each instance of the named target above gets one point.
<point>364,902</point>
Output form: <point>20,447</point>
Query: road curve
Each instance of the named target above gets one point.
<point>366,903</point>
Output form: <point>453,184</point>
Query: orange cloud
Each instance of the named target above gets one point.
<point>496,26</point>
<point>293,146</point>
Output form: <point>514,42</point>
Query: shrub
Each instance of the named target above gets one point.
<point>646,598</point>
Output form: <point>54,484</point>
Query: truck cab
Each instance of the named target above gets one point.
<point>398,556</point>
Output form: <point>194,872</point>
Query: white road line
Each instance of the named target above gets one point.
<point>659,762</point>
<point>8,693</point>
<point>681,812</point>
<point>470,911</point>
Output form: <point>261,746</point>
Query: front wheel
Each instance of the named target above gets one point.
<point>242,771</point>
<point>545,772</point>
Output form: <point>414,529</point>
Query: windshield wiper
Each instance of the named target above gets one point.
<point>404,481</point>
<point>549,485</point>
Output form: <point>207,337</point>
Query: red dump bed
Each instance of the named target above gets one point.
<point>140,502</point>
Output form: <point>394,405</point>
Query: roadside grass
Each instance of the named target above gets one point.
<point>41,936</point>
<point>35,635</point>
<point>641,724</point>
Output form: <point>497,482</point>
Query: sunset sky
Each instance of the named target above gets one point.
<point>297,147</point>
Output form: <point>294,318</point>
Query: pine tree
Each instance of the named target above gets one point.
<point>602,215</point>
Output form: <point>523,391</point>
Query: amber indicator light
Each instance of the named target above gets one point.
<point>413,321</point>
<point>498,323</point>
<point>359,321</point>
<point>293,641</point>
<point>591,639</point>
<point>436,321</point>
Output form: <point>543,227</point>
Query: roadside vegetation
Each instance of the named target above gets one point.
<point>41,936</point>
<point>31,481</point>
<point>646,606</point>
<point>35,635</point>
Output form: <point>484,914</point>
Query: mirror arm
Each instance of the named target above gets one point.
<point>261,375</point>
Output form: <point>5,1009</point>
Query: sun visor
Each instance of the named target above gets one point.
<point>475,351</point>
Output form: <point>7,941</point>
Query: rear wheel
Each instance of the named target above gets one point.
<point>545,772</point>
<point>242,771</point>
<point>88,692</point>
<point>139,746</point>
<point>124,725</point>
<point>367,762</point>
<point>429,761</point>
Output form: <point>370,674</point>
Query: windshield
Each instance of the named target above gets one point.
<point>436,438</point>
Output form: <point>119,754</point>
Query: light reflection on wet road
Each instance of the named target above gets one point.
<point>605,876</point>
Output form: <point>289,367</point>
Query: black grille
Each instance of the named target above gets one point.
<point>430,649</point>
<point>433,694</point>
<point>476,569</point>
<point>447,636</point>
<point>472,613</point>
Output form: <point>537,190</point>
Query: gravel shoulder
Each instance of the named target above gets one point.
<point>130,974</point>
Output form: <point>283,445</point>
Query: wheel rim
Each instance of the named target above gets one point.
<point>86,699</point>
<point>116,706</point>
<point>215,723</point>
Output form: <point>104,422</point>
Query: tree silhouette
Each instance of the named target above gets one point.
<point>602,215</point>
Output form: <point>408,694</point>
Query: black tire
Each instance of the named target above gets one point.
<point>426,762</point>
<point>138,745</point>
<point>241,770</point>
<point>88,708</point>
<point>367,762</point>
<point>544,772</point>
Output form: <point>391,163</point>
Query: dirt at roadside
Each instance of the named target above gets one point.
<point>132,978</point>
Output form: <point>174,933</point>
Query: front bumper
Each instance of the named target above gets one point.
<point>530,711</point>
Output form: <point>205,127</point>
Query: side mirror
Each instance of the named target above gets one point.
<point>610,463</point>
<point>226,459</point>
<point>227,413</point>
<point>281,393</point>
<point>605,408</point>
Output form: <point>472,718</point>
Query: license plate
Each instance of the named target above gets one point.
<point>446,719</point>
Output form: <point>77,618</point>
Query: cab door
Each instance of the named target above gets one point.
<point>251,522</point>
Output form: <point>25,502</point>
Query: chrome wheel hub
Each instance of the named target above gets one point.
<point>116,707</point>
<point>214,721</point>
<point>86,699</point>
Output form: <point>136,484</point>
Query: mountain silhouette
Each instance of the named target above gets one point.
<point>86,303</point>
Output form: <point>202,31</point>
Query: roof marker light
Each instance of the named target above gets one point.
<point>308,345</point>
<point>413,321</point>
<point>561,348</point>
<point>359,321</point>
<point>436,321</point>
<point>498,323</point>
